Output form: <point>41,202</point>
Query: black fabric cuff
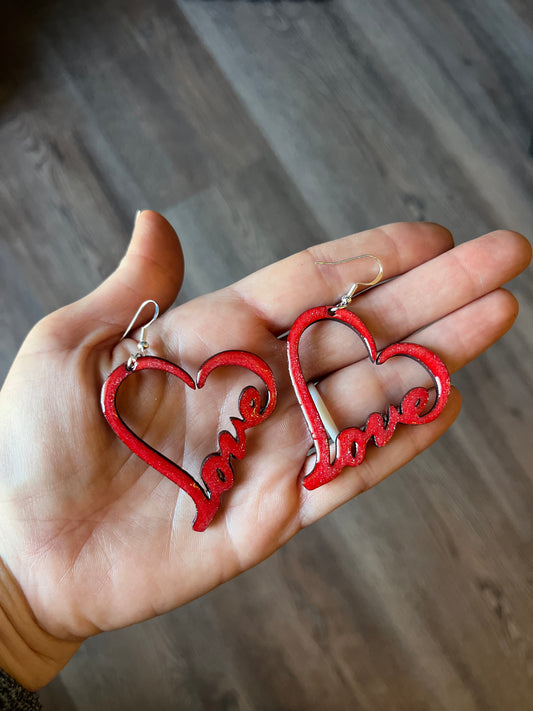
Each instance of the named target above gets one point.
<point>14,697</point>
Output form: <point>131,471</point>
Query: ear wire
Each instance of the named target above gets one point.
<point>143,344</point>
<point>347,298</point>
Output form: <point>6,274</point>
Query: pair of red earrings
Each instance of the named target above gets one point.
<point>216,474</point>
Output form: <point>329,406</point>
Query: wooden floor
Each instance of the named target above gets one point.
<point>257,129</point>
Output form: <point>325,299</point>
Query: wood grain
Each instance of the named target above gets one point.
<point>260,128</point>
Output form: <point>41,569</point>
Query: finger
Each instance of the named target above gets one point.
<point>281,291</point>
<point>464,334</point>
<point>406,443</point>
<point>424,295</point>
<point>353,393</point>
<point>152,268</point>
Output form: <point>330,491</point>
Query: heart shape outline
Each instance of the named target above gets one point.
<point>350,443</point>
<point>216,472</point>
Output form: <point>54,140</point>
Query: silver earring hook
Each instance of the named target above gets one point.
<point>347,298</point>
<point>143,344</point>
<point>137,314</point>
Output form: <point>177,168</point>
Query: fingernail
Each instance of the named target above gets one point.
<point>137,216</point>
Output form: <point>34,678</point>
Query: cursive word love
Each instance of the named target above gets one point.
<point>350,444</point>
<point>216,475</point>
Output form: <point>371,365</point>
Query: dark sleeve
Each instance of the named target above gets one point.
<point>14,697</point>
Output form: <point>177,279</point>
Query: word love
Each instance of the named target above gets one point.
<point>350,444</point>
<point>216,472</point>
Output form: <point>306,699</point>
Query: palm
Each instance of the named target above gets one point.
<point>98,540</point>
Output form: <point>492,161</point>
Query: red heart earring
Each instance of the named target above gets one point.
<point>350,444</point>
<point>216,472</point>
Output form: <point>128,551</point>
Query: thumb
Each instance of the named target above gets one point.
<point>152,268</point>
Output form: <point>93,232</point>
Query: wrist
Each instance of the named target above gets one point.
<point>28,653</point>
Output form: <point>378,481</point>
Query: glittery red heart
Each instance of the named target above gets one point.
<point>216,472</point>
<point>351,442</point>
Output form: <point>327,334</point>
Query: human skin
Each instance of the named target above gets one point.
<point>93,539</point>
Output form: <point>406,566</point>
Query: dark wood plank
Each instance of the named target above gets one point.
<point>241,224</point>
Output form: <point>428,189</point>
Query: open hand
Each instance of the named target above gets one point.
<point>93,538</point>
